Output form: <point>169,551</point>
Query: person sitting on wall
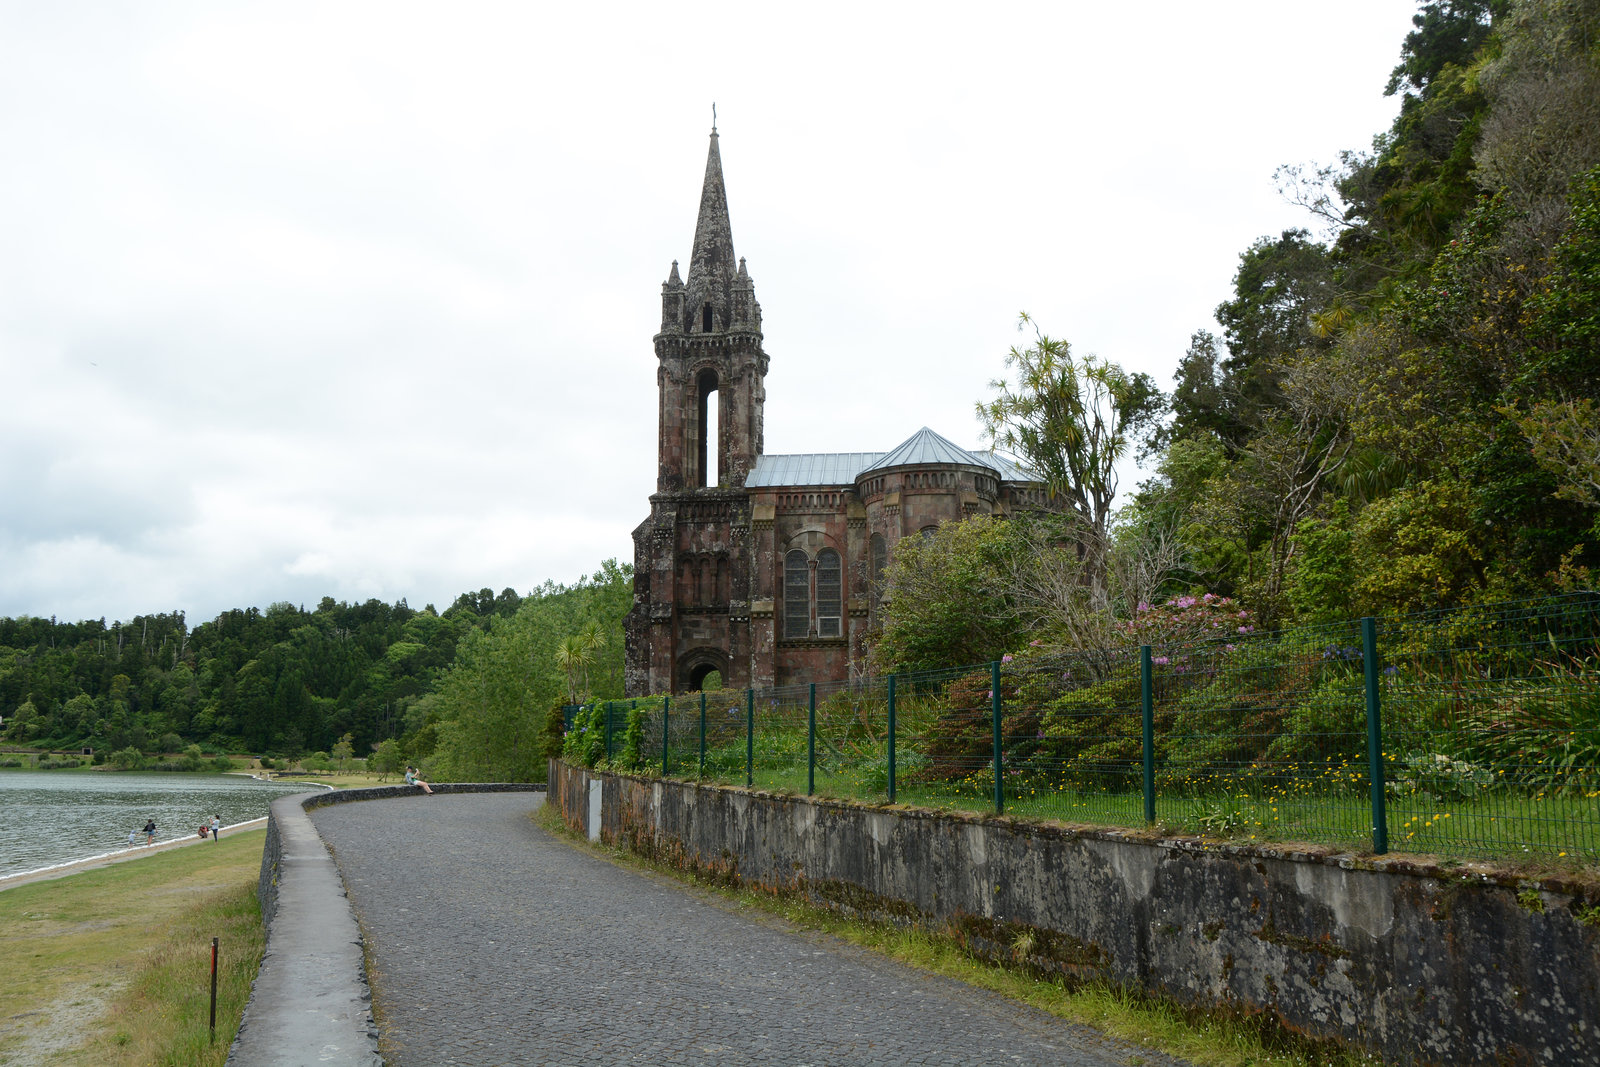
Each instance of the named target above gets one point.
<point>412,778</point>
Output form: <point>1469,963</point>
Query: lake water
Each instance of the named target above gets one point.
<point>50,817</point>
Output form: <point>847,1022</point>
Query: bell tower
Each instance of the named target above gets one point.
<point>692,565</point>
<point>709,351</point>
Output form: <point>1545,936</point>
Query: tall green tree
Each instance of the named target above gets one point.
<point>1071,420</point>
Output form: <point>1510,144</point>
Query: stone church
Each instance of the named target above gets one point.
<point>769,576</point>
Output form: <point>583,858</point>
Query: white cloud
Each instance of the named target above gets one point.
<point>357,300</point>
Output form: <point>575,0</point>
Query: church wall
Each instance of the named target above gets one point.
<point>809,518</point>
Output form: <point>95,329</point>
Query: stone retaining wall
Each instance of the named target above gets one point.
<point>1419,963</point>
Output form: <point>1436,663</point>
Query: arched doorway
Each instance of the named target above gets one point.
<point>694,667</point>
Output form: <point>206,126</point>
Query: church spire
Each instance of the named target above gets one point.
<point>712,266</point>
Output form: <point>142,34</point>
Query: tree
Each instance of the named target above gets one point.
<point>571,657</point>
<point>387,758</point>
<point>1448,32</point>
<point>942,603</point>
<point>591,639</point>
<point>1204,398</point>
<point>1070,421</point>
<point>343,750</point>
<point>491,701</point>
<point>1279,284</point>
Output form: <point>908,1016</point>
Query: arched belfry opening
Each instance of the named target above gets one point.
<point>706,322</point>
<point>708,454</point>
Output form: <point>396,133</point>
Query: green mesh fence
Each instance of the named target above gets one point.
<point>1487,739</point>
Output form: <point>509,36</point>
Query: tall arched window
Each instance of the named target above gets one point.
<point>796,595</point>
<point>706,431</point>
<point>830,593</point>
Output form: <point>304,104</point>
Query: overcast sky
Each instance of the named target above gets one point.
<point>357,300</point>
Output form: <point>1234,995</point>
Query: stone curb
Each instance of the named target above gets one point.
<point>310,1004</point>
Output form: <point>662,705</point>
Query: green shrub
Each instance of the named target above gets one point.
<point>127,759</point>
<point>632,739</point>
<point>1436,775</point>
<point>1090,735</point>
<point>555,729</point>
<point>585,743</point>
<point>1545,741</point>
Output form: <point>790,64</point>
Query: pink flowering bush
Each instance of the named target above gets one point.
<point>1188,619</point>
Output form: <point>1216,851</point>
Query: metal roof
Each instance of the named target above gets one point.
<point>809,468</point>
<point>925,449</point>
<point>922,449</point>
<point>1009,471</point>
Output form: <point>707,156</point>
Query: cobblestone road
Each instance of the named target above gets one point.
<point>491,942</point>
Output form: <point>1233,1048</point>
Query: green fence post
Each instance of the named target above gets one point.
<point>608,729</point>
<point>994,714</point>
<point>1380,814</point>
<point>702,733</point>
<point>811,742</point>
<point>750,738</point>
<point>1147,700</point>
<point>666,714</point>
<point>891,739</point>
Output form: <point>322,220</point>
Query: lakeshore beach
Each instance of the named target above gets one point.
<point>61,818</point>
<point>105,859</point>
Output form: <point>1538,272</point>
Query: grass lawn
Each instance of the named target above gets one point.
<point>1501,824</point>
<point>112,967</point>
<point>337,779</point>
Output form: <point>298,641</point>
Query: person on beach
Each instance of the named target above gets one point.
<point>149,832</point>
<point>216,826</point>
<point>412,778</point>
<point>133,837</point>
<point>204,829</point>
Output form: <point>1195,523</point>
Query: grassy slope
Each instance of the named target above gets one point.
<point>112,966</point>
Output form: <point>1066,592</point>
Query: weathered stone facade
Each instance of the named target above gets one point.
<point>768,575</point>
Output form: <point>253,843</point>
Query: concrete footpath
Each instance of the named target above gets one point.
<point>491,942</point>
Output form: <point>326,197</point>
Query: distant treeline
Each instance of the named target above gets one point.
<point>287,680</point>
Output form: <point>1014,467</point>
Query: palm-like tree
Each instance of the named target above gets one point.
<point>591,639</point>
<point>575,654</point>
<point>570,658</point>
